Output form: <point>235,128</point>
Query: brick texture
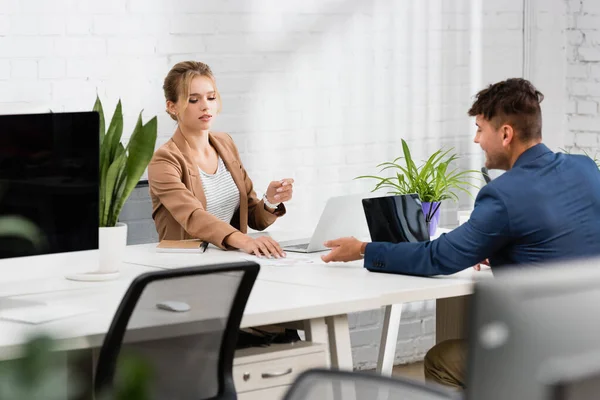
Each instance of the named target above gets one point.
<point>583,76</point>
<point>321,91</point>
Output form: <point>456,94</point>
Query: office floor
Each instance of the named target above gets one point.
<point>412,371</point>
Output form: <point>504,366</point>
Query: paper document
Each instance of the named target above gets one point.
<point>287,261</point>
<point>42,313</point>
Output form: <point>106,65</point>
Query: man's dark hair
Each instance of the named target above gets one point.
<point>515,102</point>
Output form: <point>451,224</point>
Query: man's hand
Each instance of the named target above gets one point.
<point>344,249</point>
<point>477,266</point>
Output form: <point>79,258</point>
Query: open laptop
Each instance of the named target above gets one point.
<point>342,216</point>
<point>396,219</point>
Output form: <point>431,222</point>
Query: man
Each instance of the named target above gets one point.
<point>545,207</point>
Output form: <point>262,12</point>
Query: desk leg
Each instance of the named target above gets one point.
<point>389,338</point>
<point>339,342</point>
<point>315,330</point>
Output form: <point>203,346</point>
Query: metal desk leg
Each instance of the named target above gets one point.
<point>339,342</point>
<point>315,330</point>
<point>389,338</point>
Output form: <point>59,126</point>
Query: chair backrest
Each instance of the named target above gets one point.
<point>189,353</point>
<point>341,385</point>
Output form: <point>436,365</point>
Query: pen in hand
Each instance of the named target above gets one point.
<point>203,247</point>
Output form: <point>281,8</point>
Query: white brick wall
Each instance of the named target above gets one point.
<point>320,90</point>
<point>583,75</point>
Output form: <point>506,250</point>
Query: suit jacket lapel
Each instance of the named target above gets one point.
<point>193,171</point>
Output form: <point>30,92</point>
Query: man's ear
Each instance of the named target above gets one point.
<point>508,135</point>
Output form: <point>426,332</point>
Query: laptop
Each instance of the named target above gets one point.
<point>396,219</point>
<point>342,216</point>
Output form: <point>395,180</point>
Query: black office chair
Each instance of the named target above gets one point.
<point>189,353</point>
<point>324,384</point>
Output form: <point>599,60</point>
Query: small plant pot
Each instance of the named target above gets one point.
<point>432,215</point>
<point>112,242</point>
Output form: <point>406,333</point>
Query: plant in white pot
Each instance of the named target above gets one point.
<point>433,181</point>
<point>120,170</point>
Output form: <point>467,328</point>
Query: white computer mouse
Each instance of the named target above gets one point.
<point>173,305</point>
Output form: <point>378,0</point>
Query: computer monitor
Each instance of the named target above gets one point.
<point>530,327</point>
<point>49,176</point>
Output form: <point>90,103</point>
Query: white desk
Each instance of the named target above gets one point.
<point>320,294</point>
<point>41,274</point>
<point>390,290</point>
<point>270,302</point>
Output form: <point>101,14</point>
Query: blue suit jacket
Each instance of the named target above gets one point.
<point>545,208</point>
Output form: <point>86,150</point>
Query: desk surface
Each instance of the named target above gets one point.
<point>341,277</point>
<point>42,274</point>
<point>281,294</point>
<point>269,302</point>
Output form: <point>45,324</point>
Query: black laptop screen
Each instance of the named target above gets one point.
<point>396,219</point>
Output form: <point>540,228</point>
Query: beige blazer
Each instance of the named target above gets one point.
<point>178,200</point>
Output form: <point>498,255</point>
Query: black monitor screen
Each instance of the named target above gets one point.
<point>49,176</point>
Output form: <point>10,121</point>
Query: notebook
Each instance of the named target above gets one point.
<point>181,246</point>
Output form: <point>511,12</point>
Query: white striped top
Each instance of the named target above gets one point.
<point>222,194</point>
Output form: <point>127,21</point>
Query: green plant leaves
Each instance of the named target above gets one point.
<point>431,180</point>
<point>100,111</point>
<point>140,150</point>
<point>121,166</point>
<point>38,374</point>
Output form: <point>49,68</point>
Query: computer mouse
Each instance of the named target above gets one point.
<point>173,305</point>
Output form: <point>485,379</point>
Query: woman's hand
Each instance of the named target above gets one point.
<point>280,191</point>
<point>263,245</point>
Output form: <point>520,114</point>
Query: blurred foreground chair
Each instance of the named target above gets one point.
<point>186,354</point>
<point>320,384</point>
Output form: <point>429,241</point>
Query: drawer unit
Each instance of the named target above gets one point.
<point>268,372</point>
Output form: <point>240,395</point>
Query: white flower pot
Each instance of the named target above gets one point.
<point>111,243</point>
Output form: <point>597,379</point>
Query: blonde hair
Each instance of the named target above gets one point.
<point>177,82</point>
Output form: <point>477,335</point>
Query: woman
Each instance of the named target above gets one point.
<point>198,186</point>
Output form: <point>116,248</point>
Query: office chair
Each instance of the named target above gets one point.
<point>324,384</point>
<point>189,352</point>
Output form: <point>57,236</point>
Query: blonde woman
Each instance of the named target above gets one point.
<point>198,185</point>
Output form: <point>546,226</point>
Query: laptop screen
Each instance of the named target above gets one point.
<point>396,219</point>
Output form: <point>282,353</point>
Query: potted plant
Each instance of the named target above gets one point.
<point>40,372</point>
<point>433,181</point>
<point>120,170</point>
